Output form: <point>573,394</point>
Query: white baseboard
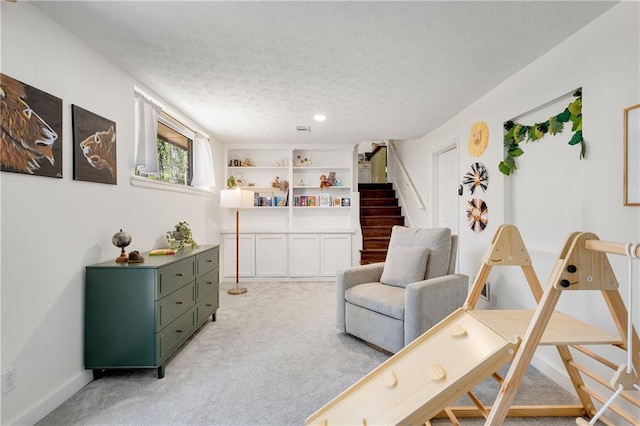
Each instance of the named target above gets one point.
<point>50,402</point>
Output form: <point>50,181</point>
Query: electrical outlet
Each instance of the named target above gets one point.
<point>494,300</point>
<point>9,380</point>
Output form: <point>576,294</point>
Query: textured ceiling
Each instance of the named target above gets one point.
<point>250,72</point>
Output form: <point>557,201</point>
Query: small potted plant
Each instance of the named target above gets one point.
<point>181,236</point>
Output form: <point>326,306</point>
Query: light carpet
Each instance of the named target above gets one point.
<point>273,357</point>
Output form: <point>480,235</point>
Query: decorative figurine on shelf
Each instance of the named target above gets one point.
<point>247,162</point>
<point>231,182</point>
<point>301,162</point>
<point>180,237</point>
<point>121,239</point>
<point>134,257</point>
<point>324,183</point>
<point>275,183</point>
<point>284,185</point>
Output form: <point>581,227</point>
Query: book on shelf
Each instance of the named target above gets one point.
<point>345,202</point>
<point>326,200</point>
<point>311,201</point>
<point>265,199</point>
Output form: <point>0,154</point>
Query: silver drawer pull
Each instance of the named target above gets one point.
<point>178,331</point>
<point>209,260</point>
<point>178,303</point>
<point>208,304</point>
<point>178,275</point>
<point>209,282</point>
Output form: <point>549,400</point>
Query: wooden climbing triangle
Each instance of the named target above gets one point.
<point>423,379</point>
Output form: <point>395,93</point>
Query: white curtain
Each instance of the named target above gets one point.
<point>203,176</point>
<point>146,138</point>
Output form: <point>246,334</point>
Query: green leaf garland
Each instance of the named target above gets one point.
<point>516,133</point>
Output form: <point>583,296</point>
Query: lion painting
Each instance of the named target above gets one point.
<point>100,150</point>
<point>94,140</point>
<point>27,139</point>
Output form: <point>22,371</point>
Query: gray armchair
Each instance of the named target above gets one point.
<point>389,304</point>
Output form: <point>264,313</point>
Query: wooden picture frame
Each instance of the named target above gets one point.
<point>631,166</point>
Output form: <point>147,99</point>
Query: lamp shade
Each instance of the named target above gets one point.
<point>236,198</point>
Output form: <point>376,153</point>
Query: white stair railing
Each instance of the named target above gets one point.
<point>402,179</point>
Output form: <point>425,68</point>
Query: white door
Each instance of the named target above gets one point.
<point>447,188</point>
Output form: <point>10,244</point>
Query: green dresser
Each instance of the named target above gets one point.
<point>137,315</point>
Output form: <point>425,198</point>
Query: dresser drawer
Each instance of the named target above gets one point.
<point>207,283</point>
<point>207,261</point>
<point>206,306</point>
<point>174,305</point>
<point>175,276</point>
<point>176,333</point>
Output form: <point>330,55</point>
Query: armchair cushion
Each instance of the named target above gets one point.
<point>404,265</point>
<point>385,299</point>
<point>437,240</point>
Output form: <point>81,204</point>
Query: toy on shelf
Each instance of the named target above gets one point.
<point>332,178</point>
<point>324,183</point>
<point>275,183</point>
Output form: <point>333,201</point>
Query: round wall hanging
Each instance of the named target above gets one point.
<point>477,214</point>
<point>477,177</point>
<point>478,138</point>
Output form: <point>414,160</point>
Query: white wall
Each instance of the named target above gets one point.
<point>603,58</point>
<point>53,228</point>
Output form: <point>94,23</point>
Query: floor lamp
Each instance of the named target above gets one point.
<point>236,199</point>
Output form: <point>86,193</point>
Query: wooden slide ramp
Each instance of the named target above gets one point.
<point>421,381</point>
<point>424,377</point>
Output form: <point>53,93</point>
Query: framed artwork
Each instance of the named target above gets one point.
<point>631,131</point>
<point>94,147</point>
<point>31,137</point>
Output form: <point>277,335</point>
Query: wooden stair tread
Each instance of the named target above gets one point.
<point>379,212</point>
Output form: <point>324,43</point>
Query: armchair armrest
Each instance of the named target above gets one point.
<point>430,301</point>
<point>350,277</point>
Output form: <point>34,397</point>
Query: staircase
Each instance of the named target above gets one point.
<point>379,211</point>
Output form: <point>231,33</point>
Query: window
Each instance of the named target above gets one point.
<point>175,155</point>
<point>169,151</point>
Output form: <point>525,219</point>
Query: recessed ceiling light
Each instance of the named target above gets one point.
<point>319,117</point>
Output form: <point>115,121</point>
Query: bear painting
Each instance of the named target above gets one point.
<point>94,147</point>
<point>31,135</point>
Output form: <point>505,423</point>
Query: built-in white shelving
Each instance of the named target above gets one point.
<point>292,220</point>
